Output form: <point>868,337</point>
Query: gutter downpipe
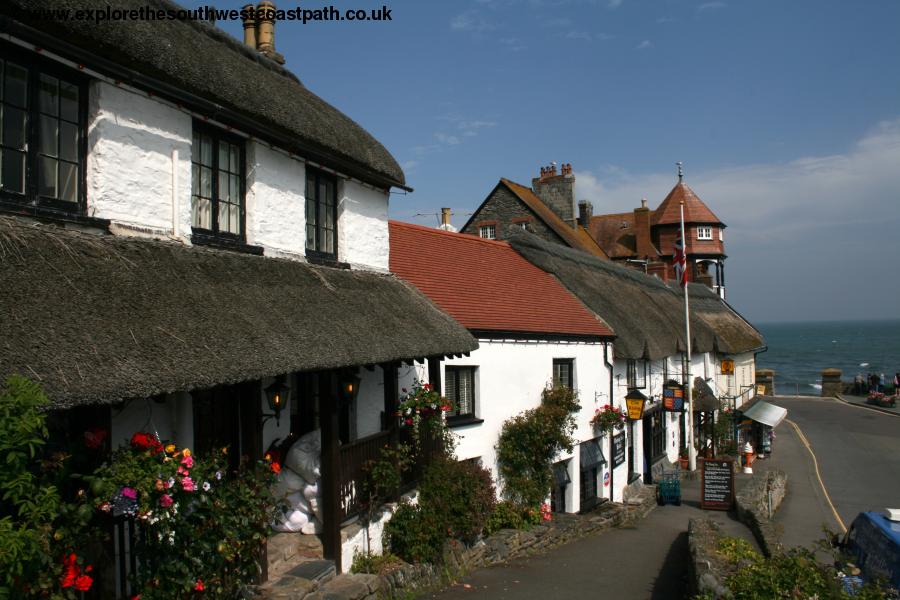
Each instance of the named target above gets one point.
<point>612,475</point>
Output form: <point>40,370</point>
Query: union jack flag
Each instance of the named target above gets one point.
<point>679,261</point>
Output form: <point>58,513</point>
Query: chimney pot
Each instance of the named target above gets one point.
<point>266,31</point>
<point>250,26</point>
<point>643,203</point>
<point>445,216</point>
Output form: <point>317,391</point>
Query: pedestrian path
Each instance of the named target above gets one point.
<point>861,401</point>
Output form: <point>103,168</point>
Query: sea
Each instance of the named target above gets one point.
<point>799,351</point>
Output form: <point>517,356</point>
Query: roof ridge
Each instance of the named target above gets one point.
<point>223,37</point>
<point>435,230</point>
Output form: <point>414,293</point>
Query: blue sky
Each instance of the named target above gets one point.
<point>786,115</point>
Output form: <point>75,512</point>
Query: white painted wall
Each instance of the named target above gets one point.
<point>369,402</point>
<point>134,180</point>
<point>171,420</point>
<point>363,226</point>
<point>509,379</point>
<point>276,204</point>
<point>129,162</point>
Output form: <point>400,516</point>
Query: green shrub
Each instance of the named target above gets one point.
<point>374,564</point>
<point>506,515</point>
<point>530,441</point>
<point>459,495</point>
<point>40,533</point>
<point>415,535</point>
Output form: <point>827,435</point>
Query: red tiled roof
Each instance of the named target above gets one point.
<point>486,285</point>
<point>694,210</point>
<point>615,234</point>
<point>577,238</point>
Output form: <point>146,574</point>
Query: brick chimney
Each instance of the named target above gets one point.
<point>643,245</point>
<point>585,212</point>
<point>557,191</point>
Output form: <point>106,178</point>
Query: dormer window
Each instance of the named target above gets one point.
<point>704,233</point>
<point>217,184</point>
<point>321,214</point>
<point>41,134</point>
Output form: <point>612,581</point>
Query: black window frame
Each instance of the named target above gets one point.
<point>634,367</point>
<point>455,417</point>
<point>219,135</point>
<point>570,362</point>
<point>318,175</point>
<point>31,200</point>
<point>657,434</point>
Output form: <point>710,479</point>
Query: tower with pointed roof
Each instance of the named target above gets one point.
<point>645,238</point>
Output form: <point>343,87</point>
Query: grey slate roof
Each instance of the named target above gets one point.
<point>646,314</point>
<point>101,318</point>
<point>199,59</point>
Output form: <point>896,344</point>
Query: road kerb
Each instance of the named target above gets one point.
<point>883,411</point>
<point>806,443</point>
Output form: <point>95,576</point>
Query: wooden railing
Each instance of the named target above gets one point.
<point>354,457</point>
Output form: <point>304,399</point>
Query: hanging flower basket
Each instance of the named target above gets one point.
<point>608,418</point>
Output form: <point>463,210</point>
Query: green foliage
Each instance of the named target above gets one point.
<point>384,476</point>
<point>724,433</point>
<point>38,528</point>
<point>455,501</point>
<point>460,495</point>
<point>794,574</point>
<point>506,515</point>
<point>374,564</point>
<point>201,525</point>
<point>531,440</point>
<point>415,535</point>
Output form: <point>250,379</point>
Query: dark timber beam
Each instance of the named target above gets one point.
<point>331,467</point>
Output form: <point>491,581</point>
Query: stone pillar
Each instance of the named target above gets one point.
<point>831,383</point>
<point>766,378</point>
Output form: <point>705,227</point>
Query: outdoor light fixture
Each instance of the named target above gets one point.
<point>349,387</point>
<point>635,402</point>
<point>277,395</point>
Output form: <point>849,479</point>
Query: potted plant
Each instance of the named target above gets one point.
<point>607,418</point>
<point>683,461</point>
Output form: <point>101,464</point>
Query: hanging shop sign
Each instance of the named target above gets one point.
<point>618,449</point>
<point>673,398</point>
<point>635,402</point>
<point>727,366</point>
<point>716,483</point>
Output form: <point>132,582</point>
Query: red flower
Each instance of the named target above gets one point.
<point>83,583</point>
<point>276,468</point>
<point>94,438</point>
<point>70,571</point>
<point>426,386</point>
<point>199,586</point>
<point>146,441</point>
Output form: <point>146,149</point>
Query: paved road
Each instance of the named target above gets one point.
<point>858,451</point>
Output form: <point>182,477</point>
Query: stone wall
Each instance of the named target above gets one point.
<point>831,383</point>
<point>405,580</point>
<point>707,569</point>
<point>756,504</point>
<point>502,206</point>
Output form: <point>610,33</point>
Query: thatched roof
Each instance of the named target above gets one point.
<point>646,314</point>
<point>99,318</point>
<point>196,58</point>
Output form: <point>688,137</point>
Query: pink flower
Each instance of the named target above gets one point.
<point>129,493</point>
<point>188,461</point>
<point>188,484</point>
<point>165,501</point>
<point>183,471</point>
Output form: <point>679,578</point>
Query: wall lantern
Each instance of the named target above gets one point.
<point>277,396</point>
<point>349,387</point>
<point>635,402</point>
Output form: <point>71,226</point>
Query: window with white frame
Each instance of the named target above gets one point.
<point>488,232</point>
<point>459,388</point>
<point>721,234</point>
<point>704,233</point>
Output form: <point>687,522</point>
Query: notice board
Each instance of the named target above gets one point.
<point>716,483</point>
<point>618,449</point>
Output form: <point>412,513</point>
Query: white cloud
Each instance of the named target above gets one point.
<point>513,44</point>
<point>644,45</point>
<point>579,35</point>
<point>443,138</point>
<point>409,165</point>
<point>711,6</point>
<point>471,21</point>
<point>614,3</point>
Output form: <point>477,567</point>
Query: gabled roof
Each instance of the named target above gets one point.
<point>615,234</point>
<point>486,285</point>
<point>223,77</point>
<point>695,211</point>
<point>101,318</point>
<point>577,238</point>
<point>646,314</point>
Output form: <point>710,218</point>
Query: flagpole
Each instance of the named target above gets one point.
<point>689,421</point>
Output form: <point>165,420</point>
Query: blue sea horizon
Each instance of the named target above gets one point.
<point>799,351</point>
